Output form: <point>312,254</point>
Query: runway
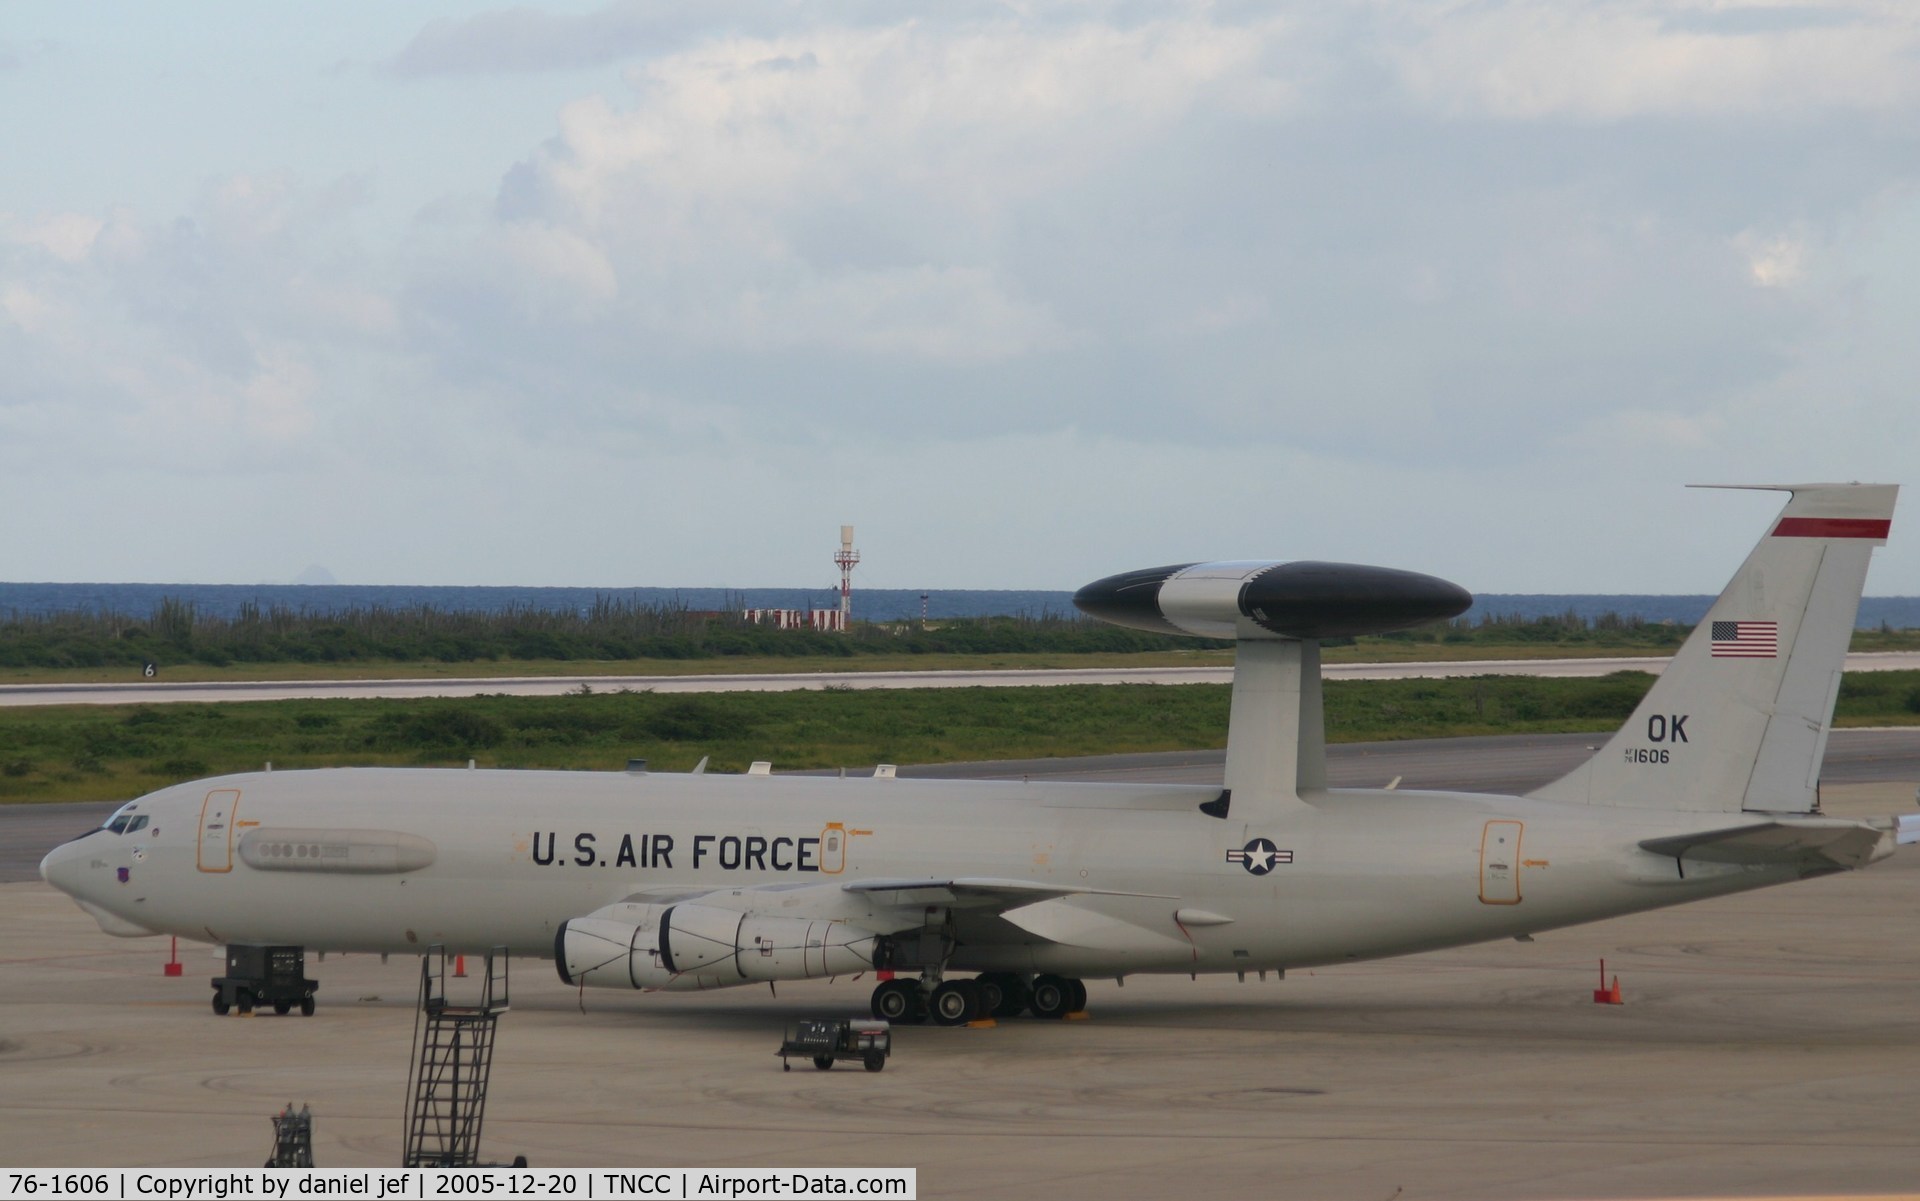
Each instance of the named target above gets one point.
<point>1768,1046</point>
<point>161,692</point>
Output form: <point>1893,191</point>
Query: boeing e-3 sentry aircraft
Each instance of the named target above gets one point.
<point>1002,897</point>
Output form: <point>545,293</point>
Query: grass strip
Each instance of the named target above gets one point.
<point>81,752</point>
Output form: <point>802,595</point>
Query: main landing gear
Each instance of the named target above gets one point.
<point>990,994</point>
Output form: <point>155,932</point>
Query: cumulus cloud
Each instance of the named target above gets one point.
<point>531,39</point>
<point>1608,61</point>
<point>1774,260</point>
<point>1285,279</point>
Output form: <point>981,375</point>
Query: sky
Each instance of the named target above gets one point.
<point>664,293</point>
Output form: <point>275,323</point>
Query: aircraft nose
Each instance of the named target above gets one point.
<point>61,867</point>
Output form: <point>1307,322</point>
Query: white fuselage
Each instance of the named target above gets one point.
<point>397,860</point>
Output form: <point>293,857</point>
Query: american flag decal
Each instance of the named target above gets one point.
<point>1746,639</point>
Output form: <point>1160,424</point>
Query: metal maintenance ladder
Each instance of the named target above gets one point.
<point>447,1083</point>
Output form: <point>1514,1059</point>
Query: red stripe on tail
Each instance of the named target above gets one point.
<point>1832,527</point>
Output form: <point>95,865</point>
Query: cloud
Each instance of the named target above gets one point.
<point>1133,283</point>
<point>1777,261</point>
<point>528,39</point>
<point>68,237</point>
<point>1593,61</point>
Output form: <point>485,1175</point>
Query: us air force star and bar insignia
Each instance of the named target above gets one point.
<point>1260,856</point>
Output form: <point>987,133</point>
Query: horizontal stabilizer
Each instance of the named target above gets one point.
<point>1843,844</point>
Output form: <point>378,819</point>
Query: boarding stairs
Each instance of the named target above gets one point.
<point>453,1053</point>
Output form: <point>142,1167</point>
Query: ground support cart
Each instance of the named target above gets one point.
<point>273,976</point>
<point>825,1039</point>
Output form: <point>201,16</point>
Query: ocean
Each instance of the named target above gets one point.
<point>871,604</point>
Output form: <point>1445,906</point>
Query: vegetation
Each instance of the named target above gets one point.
<point>103,752</point>
<point>645,639</point>
<point>611,629</point>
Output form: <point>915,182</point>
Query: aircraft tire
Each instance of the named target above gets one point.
<point>955,1003</point>
<point>1012,1001</point>
<point>898,1001</point>
<point>243,1001</point>
<point>991,992</point>
<point>1052,997</point>
<point>1079,988</point>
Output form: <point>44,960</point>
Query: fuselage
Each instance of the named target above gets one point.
<point>397,860</point>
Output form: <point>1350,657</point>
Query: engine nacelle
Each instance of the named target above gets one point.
<point>693,946</point>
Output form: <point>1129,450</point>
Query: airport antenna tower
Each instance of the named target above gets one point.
<point>844,559</point>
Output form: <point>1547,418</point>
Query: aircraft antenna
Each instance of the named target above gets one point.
<point>844,559</point>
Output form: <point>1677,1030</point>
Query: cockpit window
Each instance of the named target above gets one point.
<point>125,821</point>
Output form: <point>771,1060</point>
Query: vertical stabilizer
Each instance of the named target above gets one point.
<point>1739,718</point>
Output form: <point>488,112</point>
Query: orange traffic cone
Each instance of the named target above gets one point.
<point>460,966</point>
<point>1605,995</point>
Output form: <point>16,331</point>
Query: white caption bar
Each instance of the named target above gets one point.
<point>457,1184</point>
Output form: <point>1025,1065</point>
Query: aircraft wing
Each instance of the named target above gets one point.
<point>884,906</point>
<point>974,892</point>
<point>1843,844</point>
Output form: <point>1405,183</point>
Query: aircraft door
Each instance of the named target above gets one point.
<point>216,829</point>
<point>833,849</point>
<point>1500,863</point>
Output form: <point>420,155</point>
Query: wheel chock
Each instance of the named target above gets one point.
<point>1078,1015</point>
<point>982,1024</point>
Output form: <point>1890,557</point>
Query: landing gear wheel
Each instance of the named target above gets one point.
<point>898,1001</point>
<point>955,1003</point>
<point>823,1062</point>
<point>1079,995</point>
<point>283,1008</point>
<point>1011,1000</point>
<point>1052,997</point>
<point>991,992</point>
<point>306,1007</point>
<point>220,1005</point>
<point>243,1001</point>
<point>875,1061</point>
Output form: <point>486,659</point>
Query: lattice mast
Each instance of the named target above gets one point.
<point>844,559</point>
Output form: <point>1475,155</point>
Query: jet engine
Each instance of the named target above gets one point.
<point>690,946</point>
